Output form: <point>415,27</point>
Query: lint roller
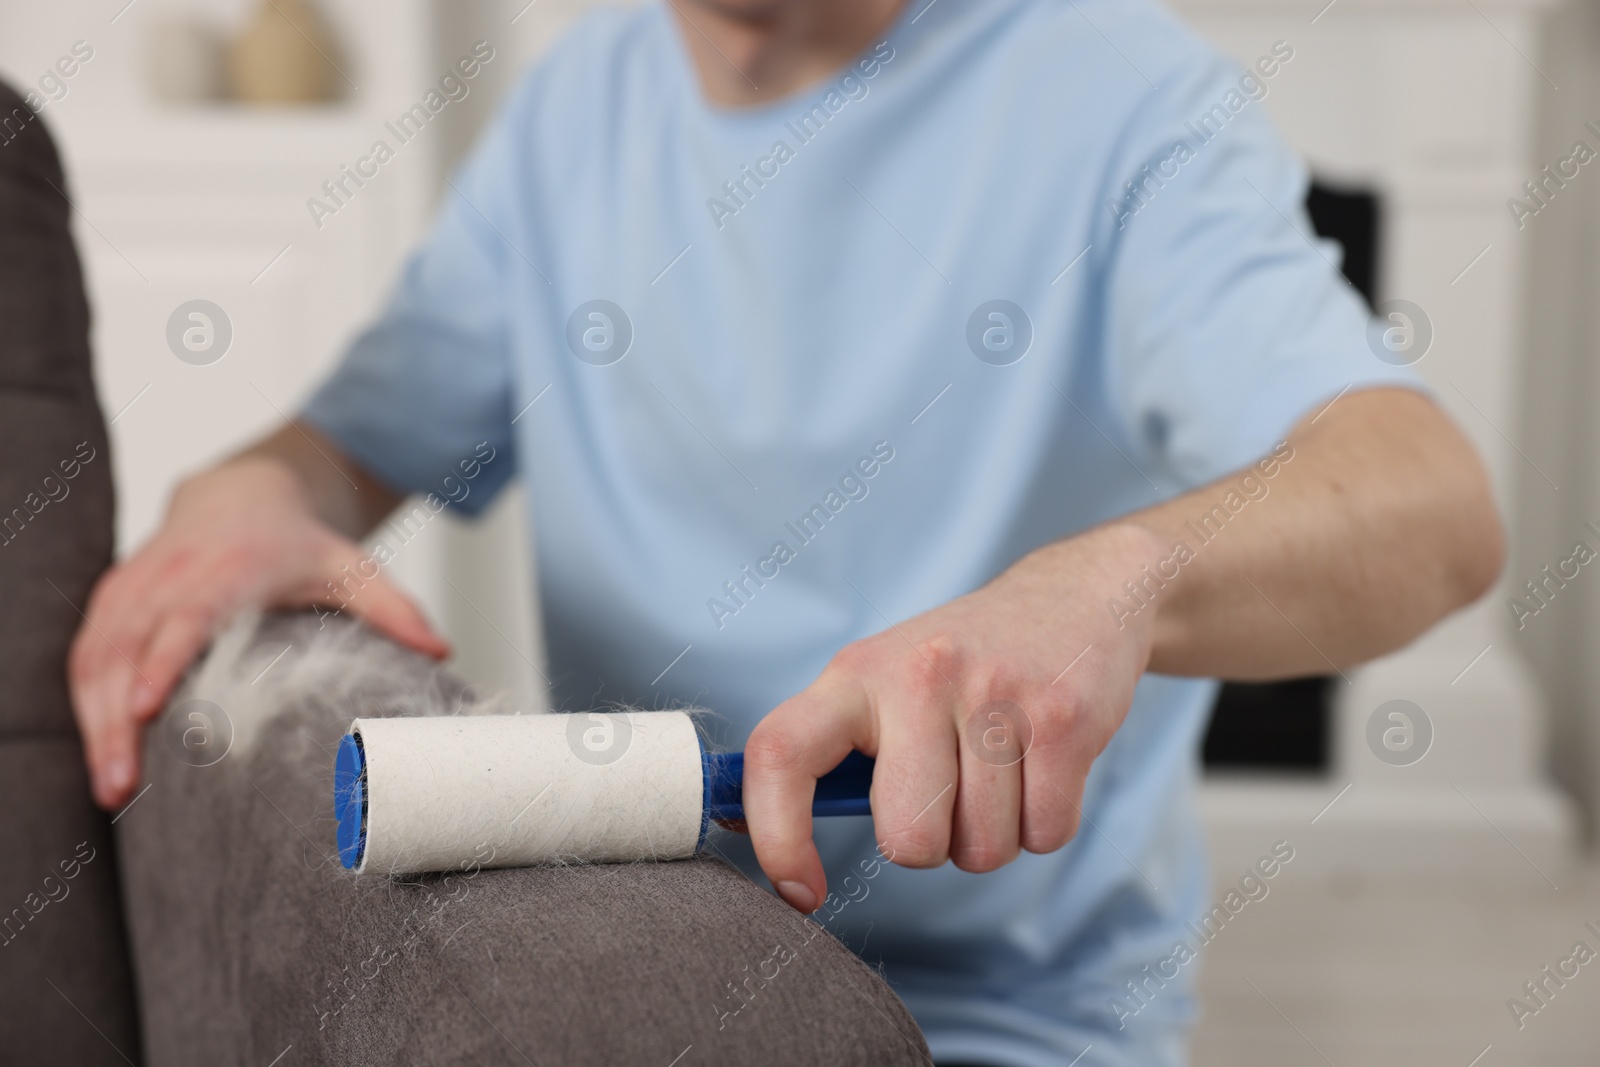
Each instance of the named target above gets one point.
<point>444,793</point>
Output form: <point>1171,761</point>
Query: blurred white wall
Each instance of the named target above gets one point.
<point>1557,423</point>
<point>1437,107</point>
<point>177,200</point>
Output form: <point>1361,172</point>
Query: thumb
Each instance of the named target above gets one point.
<point>798,742</point>
<point>381,604</point>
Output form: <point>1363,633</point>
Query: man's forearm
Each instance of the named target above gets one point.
<point>341,492</point>
<point>1371,522</point>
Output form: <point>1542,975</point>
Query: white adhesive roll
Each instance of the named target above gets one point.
<point>521,790</point>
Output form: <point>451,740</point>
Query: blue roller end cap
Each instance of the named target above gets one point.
<point>350,800</point>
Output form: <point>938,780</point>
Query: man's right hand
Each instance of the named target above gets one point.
<point>245,534</point>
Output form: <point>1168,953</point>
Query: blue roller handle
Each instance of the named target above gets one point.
<point>842,791</point>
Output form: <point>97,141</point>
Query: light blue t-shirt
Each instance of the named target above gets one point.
<point>778,376</point>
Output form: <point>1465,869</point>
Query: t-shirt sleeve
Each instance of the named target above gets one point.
<point>427,385</point>
<point>1227,320</point>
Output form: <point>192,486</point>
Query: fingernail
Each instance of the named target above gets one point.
<point>116,776</point>
<point>799,897</point>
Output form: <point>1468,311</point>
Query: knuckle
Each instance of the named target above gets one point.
<point>922,678</point>
<point>853,659</point>
<point>1059,719</point>
<point>177,558</point>
<point>999,731</point>
<point>162,665</point>
<point>997,678</point>
<point>194,612</point>
<point>919,847</point>
<point>770,749</point>
<point>938,657</point>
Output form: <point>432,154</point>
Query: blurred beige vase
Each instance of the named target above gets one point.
<point>284,56</point>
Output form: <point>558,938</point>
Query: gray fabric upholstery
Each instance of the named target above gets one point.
<point>250,938</point>
<point>66,990</point>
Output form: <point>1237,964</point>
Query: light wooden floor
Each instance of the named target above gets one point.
<point>1354,973</point>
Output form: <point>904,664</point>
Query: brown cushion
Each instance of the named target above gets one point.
<point>65,981</point>
<point>251,937</point>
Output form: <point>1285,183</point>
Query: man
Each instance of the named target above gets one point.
<point>903,344</point>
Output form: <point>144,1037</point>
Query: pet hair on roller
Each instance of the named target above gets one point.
<point>437,793</point>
